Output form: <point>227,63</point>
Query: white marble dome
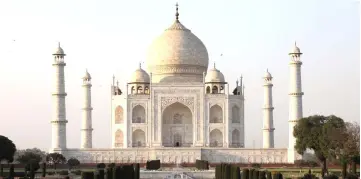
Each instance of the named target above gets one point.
<point>267,74</point>
<point>87,76</point>
<point>214,76</point>
<point>177,55</point>
<point>139,76</point>
<point>59,51</point>
<point>295,50</point>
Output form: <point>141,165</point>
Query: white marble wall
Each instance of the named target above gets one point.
<point>295,105</point>
<point>86,129</point>
<point>268,128</point>
<point>59,110</point>
<point>178,155</point>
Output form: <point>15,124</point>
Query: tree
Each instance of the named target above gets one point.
<point>73,162</point>
<point>24,156</point>
<point>315,133</point>
<point>54,159</point>
<point>7,149</point>
<point>351,145</point>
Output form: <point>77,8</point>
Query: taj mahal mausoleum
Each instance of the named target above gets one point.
<point>176,109</point>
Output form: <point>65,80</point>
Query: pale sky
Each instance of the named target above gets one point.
<point>111,37</point>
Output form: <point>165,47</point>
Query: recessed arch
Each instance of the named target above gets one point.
<point>177,126</point>
<point>235,138</point>
<point>208,90</point>
<point>216,114</point>
<point>235,114</point>
<point>138,114</point>
<point>119,115</point>
<point>216,138</point>
<point>138,138</point>
<point>214,89</point>
<point>119,138</point>
<point>139,89</point>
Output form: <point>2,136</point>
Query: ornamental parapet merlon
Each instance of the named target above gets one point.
<point>60,121</point>
<point>296,94</point>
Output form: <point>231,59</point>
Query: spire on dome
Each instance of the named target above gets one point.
<point>140,65</point>
<point>176,13</point>
<point>214,65</point>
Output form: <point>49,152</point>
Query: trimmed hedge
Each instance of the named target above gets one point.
<point>202,165</point>
<point>227,171</point>
<point>153,165</point>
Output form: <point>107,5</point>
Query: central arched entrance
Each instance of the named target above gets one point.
<point>177,127</point>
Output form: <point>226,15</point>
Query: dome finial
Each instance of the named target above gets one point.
<point>214,65</point>
<point>176,13</point>
<point>140,65</point>
<point>59,44</point>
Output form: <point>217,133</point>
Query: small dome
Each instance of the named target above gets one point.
<point>295,49</point>
<point>140,76</point>
<point>214,76</point>
<point>87,76</point>
<point>267,74</point>
<point>59,51</point>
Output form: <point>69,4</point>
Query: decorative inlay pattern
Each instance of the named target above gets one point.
<point>188,101</point>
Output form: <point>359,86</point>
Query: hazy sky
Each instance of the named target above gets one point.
<point>111,37</point>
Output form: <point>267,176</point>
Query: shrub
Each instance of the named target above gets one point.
<point>11,171</point>
<point>1,170</point>
<point>245,173</point>
<point>256,165</point>
<point>112,165</point>
<point>101,165</point>
<point>76,172</point>
<point>332,176</point>
<point>351,176</point>
<point>51,173</point>
<point>109,172</point>
<point>202,165</point>
<point>63,172</point>
<point>309,176</point>
<point>262,175</point>
<point>43,174</point>
<point>268,175</point>
<point>73,162</point>
<point>87,175</point>
<point>137,171</point>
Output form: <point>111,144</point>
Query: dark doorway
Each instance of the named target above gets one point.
<point>177,144</point>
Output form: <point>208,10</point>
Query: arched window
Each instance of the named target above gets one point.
<point>139,89</point>
<point>214,89</point>
<point>146,90</point>
<point>177,119</point>
<point>208,90</point>
<point>132,90</point>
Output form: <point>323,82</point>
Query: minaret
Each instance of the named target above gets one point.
<point>268,134</point>
<point>86,130</point>
<point>59,111</point>
<point>295,103</point>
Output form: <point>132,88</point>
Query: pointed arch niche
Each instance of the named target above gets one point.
<point>235,114</point>
<point>216,114</point>
<point>119,115</point>
<point>216,138</point>
<point>236,138</point>
<point>119,138</point>
<point>138,114</point>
